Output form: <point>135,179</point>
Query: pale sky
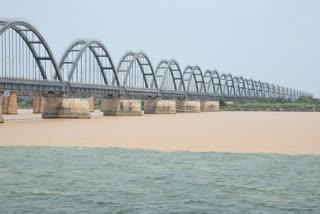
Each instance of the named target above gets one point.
<point>275,41</point>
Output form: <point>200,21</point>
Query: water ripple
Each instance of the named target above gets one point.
<point>113,180</point>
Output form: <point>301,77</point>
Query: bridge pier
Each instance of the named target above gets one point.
<point>102,104</point>
<point>158,106</point>
<point>188,106</point>
<point>1,118</point>
<point>91,102</point>
<point>209,106</point>
<point>117,106</point>
<point>9,103</point>
<point>38,104</point>
<point>66,106</point>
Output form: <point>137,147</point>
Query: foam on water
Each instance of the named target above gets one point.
<point>111,180</point>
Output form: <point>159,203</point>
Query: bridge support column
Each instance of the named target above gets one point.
<point>117,106</point>
<point>157,106</point>
<point>102,104</point>
<point>209,106</point>
<point>4,105</point>
<point>10,104</point>
<point>66,106</point>
<point>1,118</point>
<point>91,102</point>
<point>188,106</point>
<point>38,104</point>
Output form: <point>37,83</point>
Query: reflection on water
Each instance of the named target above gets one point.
<point>111,180</point>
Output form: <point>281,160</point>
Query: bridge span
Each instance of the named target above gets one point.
<point>86,70</point>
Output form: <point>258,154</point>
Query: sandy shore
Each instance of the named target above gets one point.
<point>267,132</point>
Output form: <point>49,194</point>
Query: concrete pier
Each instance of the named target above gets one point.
<point>10,104</point>
<point>91,103</point>
<point>117,106</point>
<point>1,118</point>
<point>66,106</point>
<point>38,102</point>
<point>157,106</point>
<point>4,104</point>
<point>209,106</point>
<point>102,104</point>
<point>188,106</point>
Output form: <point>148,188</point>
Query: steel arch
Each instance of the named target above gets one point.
<point>282,92</point>
<point>294,94</point>
<point>286,90</point>
<point>164,80</point>
<point>272,92</point>
<point>208,80</point>
<point>289,93</point>
<point>212,80</point>
<point>266,89</point>
<point>194,73</point>
<point>125,66</point>
<point>227,83</point>
<point>22,28</point>
<point>277,91</point>
<point>258,88</point>
<point>100,54</point>
<point>250,87</point>
<point>240,87</point>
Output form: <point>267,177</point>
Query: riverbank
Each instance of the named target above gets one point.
<point>303,104</point>
<point>245,132</point>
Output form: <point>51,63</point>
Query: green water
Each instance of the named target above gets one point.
<point>110,180</point>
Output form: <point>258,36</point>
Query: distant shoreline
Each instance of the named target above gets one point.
<point>302,104</point>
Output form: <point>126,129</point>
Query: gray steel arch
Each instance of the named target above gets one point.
<point>282,91</point>
<point>162,72</point>
<point>99,52</point>
<point>240,86</point>
<point>285,92</point>
<point>250,87</point>
<point>258,89</point>
<point>207,81</point>
<point>22,28</point>
<point>277,91</point>
<point>194,73</point>
<point>265,89</point>
<point>288,93</point>
<point>294,94</point>
<point>125,67</point>
<point>227,83</point>
<point>272,92</point>
<point>212,80</point>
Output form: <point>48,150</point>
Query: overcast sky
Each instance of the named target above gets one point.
<point>276,41</point>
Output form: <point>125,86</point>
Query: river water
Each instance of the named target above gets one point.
<point>112,180</point>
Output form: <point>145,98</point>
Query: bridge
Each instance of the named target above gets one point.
<point>29,68</point>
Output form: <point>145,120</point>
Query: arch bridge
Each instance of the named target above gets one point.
<point>28,66</point>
